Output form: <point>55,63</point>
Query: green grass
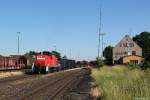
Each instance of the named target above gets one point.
<point>120,83</point>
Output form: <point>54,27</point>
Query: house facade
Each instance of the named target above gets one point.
<point>127,51</point>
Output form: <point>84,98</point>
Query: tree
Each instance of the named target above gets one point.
<point>30,56</point>
<point>57,54</point>
<point>108,55</point>
<point>143,40</point>
<point>31,53</point>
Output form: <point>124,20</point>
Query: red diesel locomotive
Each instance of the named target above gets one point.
<point>45,62</point>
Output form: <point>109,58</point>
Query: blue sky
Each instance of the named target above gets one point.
<point>71,25</point>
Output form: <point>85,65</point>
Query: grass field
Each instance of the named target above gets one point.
<point>120,83</point>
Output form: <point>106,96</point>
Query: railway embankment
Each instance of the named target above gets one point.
<point>5,74</point>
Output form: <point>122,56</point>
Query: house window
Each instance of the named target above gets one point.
<point>134,53</point>
<point>131,44</point>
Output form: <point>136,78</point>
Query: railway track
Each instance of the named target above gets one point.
<point>58,94</point>
<point>17,77</point>
<point>53,90</point>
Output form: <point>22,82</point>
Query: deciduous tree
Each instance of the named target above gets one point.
<point>108,55</point>
<point>143,40</point>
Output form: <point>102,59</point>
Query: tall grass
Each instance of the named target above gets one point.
<point>120,83</point>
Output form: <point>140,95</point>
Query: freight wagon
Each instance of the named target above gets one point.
<point>67,64</point>
<point>12,62</point>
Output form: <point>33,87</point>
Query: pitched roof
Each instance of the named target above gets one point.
<point>127,38</point>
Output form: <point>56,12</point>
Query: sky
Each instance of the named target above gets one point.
<point>72,26</point>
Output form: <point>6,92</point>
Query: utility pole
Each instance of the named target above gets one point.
<point>99,35</point>
<point>18,42</point>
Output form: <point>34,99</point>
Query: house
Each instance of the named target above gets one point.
<point>127,51</point>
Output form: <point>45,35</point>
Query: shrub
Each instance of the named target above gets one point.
<point>132,65</point>
<point>99,63</point>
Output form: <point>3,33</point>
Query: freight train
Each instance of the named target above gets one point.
<point>46,62</point>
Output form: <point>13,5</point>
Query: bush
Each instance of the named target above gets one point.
<point>99,63</point>
<point>133,66</point>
